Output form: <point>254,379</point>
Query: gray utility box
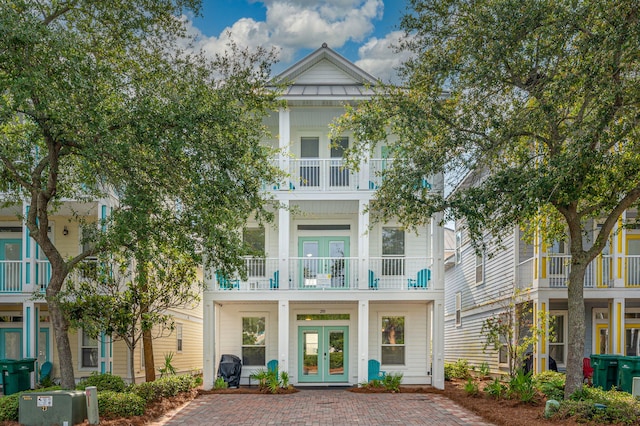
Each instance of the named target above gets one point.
<point>61,408</point>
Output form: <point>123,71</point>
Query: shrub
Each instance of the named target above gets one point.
<point>551,384</point>
<point>220,383</point>
<point>599,406</point>
<point>391,382</point>
<point>164,387</point>
<point>471,387</point>
<point>496,388</point>
<point>521,387</point>
<point>9,408</point>
<point>459,370</point>
<point>119,404</point>
<point>271,380</point>
<point>147,391</point>
<point>103,382</point>
<point>484,369</point>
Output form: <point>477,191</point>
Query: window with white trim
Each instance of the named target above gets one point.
<point>254,238</point>
<point>179,337</point>
<point>458,247</point>
<point>458,309</point>
<point>88,351</point>
<point>254,340</point>
<point>558,336</point>
<point>480,267</point>
<point>392,251</point>
<point>393,344</point>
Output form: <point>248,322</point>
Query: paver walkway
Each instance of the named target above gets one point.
<point>322,407</point>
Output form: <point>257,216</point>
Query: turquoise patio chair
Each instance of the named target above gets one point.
<point>274,282</point>
<point>272,365</point>
<point>374,370</point>
<point>45,371</point>
<point>225,283</point>
<point>422,279</point>
<point>373,281</point>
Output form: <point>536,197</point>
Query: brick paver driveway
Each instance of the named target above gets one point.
<point>322,407</point>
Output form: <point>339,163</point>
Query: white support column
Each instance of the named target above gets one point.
<point>208,349</point>
<point>437,241</point>
<point>363,244</point>
<point>284,142</point>
<point>618,252</point>
<point>363,341</point>
<point>29,329</point>
<point>437,372</point>
<point>283,336</point>
<point>284,218</point>
<point>617,325</point>
<point>28,256</point>
<point>365,170</point>
<point>541,352</point>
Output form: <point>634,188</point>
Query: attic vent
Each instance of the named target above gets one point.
<point>324,45</point>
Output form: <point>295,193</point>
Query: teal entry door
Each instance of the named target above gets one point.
<point>323,353</point>
<point>10,343</point>
<point>323,262</point>
<point>10,265</point>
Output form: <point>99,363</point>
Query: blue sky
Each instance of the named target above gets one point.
<point>361,30</point>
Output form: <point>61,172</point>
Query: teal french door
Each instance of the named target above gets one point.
<point>10,265</point>
<point>10,343</point>
<point>43,346</point>
<point>323,262</point>
<point>323,353</point>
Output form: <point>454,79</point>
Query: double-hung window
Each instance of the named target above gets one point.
<point>393,344</point>
<point>179,337</point>
<point>254,239</point>
<point>254,340</point>
<point>88,351</point>
<point>392,251</point>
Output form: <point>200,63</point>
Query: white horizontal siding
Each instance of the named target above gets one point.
<point>324,72</point>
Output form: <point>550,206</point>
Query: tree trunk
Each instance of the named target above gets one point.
<point>149,363</point>
<point>132,367</point>
<point>60,327</point>
<point>576,330</point>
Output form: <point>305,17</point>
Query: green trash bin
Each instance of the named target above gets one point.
<point>605,371</point>
<point>16,374</point>
<point>628,368</point>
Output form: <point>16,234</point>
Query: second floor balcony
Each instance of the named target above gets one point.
<point>331,174</point>
<point>331,274</point>
<point>605,271</point>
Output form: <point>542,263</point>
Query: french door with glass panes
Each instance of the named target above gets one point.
<point>323,262</point>
<point>323,353</point>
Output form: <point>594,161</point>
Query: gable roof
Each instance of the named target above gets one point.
<point>324,74</point>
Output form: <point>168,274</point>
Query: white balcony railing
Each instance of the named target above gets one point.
<point>320,273</point>
<point>400,273</point>
<point>330,273</point>
<point>632,265</point>
<point>330,174</point>
<point>43,274</point>
<point>10,276</point>
<point>321,175</point>
<point>599,272</point>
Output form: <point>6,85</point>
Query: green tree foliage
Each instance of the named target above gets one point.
<point>100,100</point>
<point>538,101</point>
<point>125,304</point>
<point>513,329</point>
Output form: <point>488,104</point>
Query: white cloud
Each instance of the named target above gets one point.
<point>379,58</point>
<point>299,24</point>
